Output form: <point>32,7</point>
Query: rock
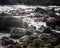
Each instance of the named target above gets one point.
<point>58,46</point>
<point>37,43</point>
<point>14,12</point>
<point>48,46</point>
<point>24,38</point>
<point>28,32</point>
<point>56,42</point>
<point>40,10</point>
<point>44,38</point>
<point>31,45</point>
<point>6,41</point>
<point>51,19</point>
<point>4,14</point>
<point>31,2</point>
<point>17,32</point>
<point>17,45</point>
<point>10,46</point>
<point>31,39</point>
<point>37,31</point>
<point>51,12</point>
<point>47,30</point>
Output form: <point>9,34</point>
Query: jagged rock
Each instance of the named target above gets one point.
<point>47,30</point>
<point>17,32</point>
<point>40,10</point>
<point>6,41</point>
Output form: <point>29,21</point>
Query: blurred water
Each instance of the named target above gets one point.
<point>4,34</point>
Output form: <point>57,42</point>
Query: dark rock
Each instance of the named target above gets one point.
<point>40,10</point>
<point>53,22</point>
<point>17,32</point>
<point>6,41</point>
<point>51,12</point>
<point>17,45</point>
<point>37,43</point>
<point>47,30</point>
<point>24,38</point>
<point>37,31</point>
<point>28,32</point>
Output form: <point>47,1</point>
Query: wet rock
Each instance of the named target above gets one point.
<point>48,46</point>
<point>10,46</point>
<point>31,46</point>
<point>41,18</point>
<point>24,38</point>
<point>51,12</point>
<point>4,14</point>
<point>53,22</point>
<point>29,32</point>
<point>17,32</point>
<point>44,38</point>
<point>56,41</point>
<point>31,28</point>
<point>14,12</point>
<point>37,43</point>
<point>40,10</point>
<point>17,45</point>
<point>47,30</point>
<point>6,41</point>
<point>50,39</point>
<point>51,19</point>
<point>58,46</point>
<point>37,31</point>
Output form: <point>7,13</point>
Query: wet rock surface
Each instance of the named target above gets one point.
<point>44,40</point>
<point>17,32</point>
<point>33,28</point>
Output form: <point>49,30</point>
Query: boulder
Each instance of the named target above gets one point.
<point>17,32</point>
